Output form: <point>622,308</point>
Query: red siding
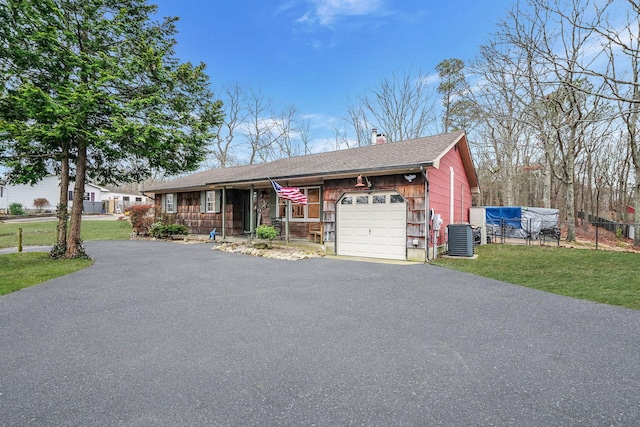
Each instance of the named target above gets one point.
<point>440,187</point>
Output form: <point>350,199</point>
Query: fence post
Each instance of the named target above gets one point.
<point>596,236</point>
<point>19,239</point>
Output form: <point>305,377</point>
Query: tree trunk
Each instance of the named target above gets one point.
<point>548,176</point>
<point>74,243</point>
<point>590,189</point>
<point>569,182</point>
<point>636,206</point>
<point>634,145</point>
<point>62,212</point>
<point>635,151</point>
<point>508,185</point>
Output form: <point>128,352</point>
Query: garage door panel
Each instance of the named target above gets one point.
<point>380,215</point>
<point>361,232</point>
<point>377,233</point>
<point>400,216</point>
<point>347,214</point>
<point>372,230</point>
<point>387,251</point>
<point>361,249</point>
<point>347,233</point>
<point>379,251</point>
<point>362,215</point>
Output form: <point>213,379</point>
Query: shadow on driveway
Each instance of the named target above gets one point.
<point>165,334</point>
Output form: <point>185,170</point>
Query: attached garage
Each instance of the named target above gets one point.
<point>372,224</point>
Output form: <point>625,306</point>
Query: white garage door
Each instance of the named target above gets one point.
<point>372,225</point>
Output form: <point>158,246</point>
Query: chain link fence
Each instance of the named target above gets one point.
<point>600,233</point>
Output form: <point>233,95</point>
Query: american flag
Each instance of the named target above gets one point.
<point>290,193</point>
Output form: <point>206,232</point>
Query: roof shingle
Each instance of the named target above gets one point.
<point>399,155</point>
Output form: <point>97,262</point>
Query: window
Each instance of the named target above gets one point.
<point>125,198</point>
<point>347,201</point>
<point>169,203</point>
<point>308,212</point>
<point>138,199</point>
<point>396,198</point>
<point>380,199</point>
<point>362,200</point>
<point>211,201</point>
<point>313,203</point>
<point>1,191</point>
<point>70,194</point>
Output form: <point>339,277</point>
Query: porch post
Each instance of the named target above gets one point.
<point>224,213</point>
<point>286,221</point>
<point>252,213</point>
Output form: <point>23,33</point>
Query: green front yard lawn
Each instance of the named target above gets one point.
<point>20,270</point>
<point>608,277</point>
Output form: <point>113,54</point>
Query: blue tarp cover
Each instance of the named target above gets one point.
<point>511,214</point>
<point>520,222</point>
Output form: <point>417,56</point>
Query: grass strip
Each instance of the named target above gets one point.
<point>21,270</point>
<point>608,277</point>
<point>44,233</point>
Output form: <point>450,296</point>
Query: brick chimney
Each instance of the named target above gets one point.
<point>377,138</point>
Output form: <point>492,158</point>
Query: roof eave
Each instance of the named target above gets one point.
<point>465,154</point>
<point>325,176</point>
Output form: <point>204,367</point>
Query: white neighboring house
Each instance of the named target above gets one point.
<point>48,188</point>
<point>118,202</point>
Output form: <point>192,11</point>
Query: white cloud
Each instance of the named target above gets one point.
<point>431,79</point>
<point>326,12</point>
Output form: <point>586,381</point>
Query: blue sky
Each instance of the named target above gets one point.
<point>317,54</point>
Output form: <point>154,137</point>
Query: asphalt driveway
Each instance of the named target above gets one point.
<point>163,334</point>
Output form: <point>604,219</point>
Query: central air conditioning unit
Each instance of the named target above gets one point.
<point>460,240</point>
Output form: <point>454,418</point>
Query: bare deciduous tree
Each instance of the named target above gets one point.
<point>304,128</point>
<point>498,104</point>
<point>554,47</point>
<point>619,32</point>
<point>401,106</point>
<point>284,133</point>
<point>223,146</point>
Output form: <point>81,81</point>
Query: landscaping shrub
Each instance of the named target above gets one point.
<point>162,231</point>
<point>140,219</point>
<point>41,203</point>
<point>16,209</point>
<point>267,233</point>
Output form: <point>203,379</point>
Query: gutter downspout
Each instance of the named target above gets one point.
<point>426,214</point>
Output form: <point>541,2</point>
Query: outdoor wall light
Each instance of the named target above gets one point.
<point>361,184</point>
